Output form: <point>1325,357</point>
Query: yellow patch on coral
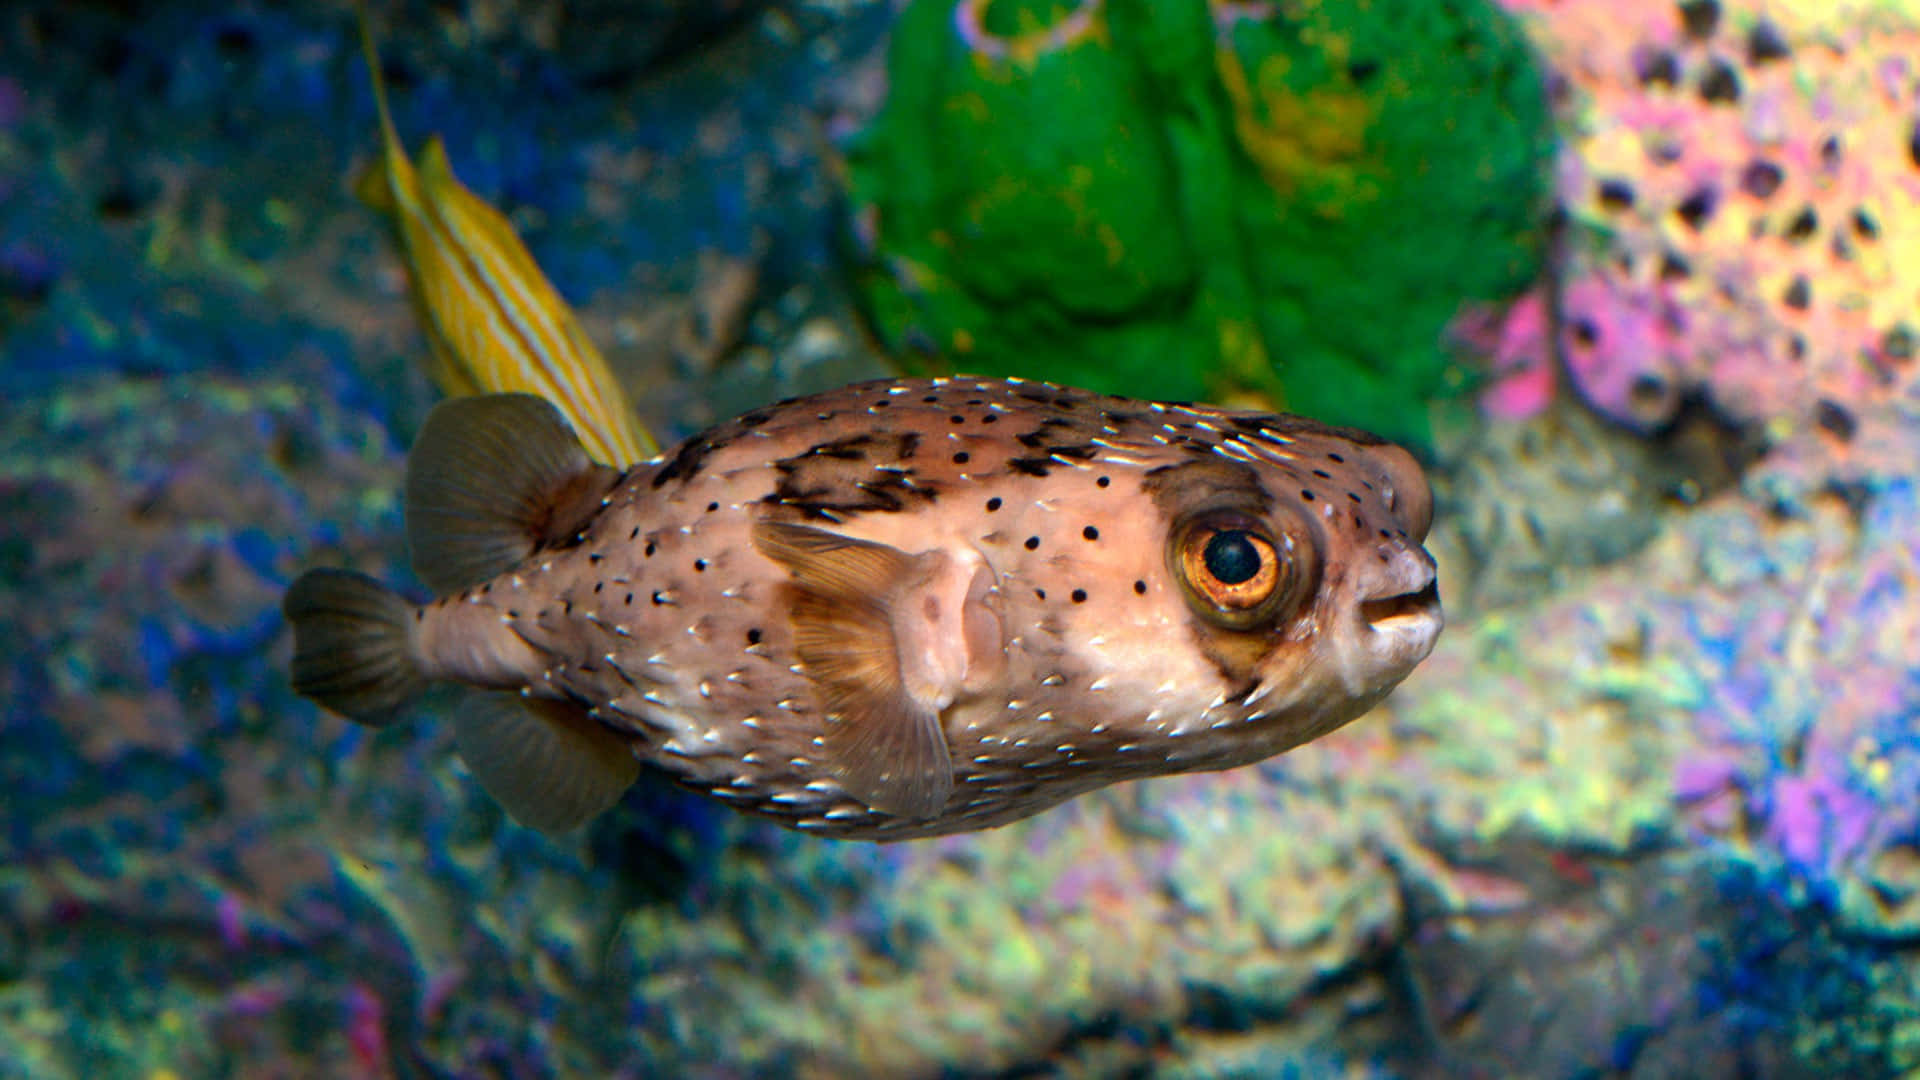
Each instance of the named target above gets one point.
<point>1292,137</point>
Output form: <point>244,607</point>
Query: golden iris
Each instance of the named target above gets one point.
<point>1233,570</point>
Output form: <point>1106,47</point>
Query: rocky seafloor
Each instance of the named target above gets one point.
<point>1651,809</point>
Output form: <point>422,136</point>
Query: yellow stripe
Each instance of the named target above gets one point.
<point>493,320</point>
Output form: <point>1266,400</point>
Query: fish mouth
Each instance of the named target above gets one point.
<point>1393,612</point>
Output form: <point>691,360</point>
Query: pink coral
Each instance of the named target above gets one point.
<point>1745,180</point>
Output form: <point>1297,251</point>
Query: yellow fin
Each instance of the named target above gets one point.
<point>548,763</point>
<point>887,747</point>
<point>494,321</point>
<point>491,480</point>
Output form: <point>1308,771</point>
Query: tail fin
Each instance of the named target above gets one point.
<point>352,647</point>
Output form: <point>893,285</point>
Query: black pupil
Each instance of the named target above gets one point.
<point>1231,557</point>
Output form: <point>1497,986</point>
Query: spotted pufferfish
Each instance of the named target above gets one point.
<point>899,609</point>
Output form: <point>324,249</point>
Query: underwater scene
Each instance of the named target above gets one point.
<point>911,538</point>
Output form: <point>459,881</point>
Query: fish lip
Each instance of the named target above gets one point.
<point>1391,613</point>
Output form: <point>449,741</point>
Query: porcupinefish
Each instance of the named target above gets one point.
<point>899,609</point>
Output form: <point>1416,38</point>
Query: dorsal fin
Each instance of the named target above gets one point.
<point>491,480</point>
<point>849,603</point>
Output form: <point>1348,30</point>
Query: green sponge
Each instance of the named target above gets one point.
<point>1187,199</point>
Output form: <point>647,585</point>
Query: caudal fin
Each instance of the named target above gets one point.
<point>352,650</point>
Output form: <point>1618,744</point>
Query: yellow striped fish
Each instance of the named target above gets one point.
<point>492,319</point>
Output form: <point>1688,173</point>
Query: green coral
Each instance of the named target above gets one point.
<point>1191,199</point>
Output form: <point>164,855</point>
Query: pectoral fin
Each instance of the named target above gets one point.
<point>547,762</point>
<point>887,746</point>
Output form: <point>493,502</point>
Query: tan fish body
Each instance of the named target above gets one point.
<point>899,609</point>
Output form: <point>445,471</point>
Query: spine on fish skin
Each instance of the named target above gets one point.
<point>353,649</point>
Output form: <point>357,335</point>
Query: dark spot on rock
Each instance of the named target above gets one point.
<point>659,598</point>
<point>635,534</point>
<point>699,566</point>
<point>1898,343</point>
<point>1761,178</point>
<point>755,419</point>
<point>956,418</point>
<point>1584,331</point>
<point>598,585</point>
<point>993,504</point>
<point>1764,44</point>
<point>753,636</point>
<point>1079,596</point>
<point>1306,494</point>
<point>1140,587</point>
<point>1804,224</point>
<point>1103,481</point>
<point>1033,543</point>
<point>1027,466</point>
<point>1657,67</point>
<point>629,598</point>
<point>1646,391</point>
<point>1674,267</point>
<point>1719,85</point>
<point>1864,225</point>
<point>1336,459</point>
<point>962,457</point>
<point>1090,533</point>
<point>1040,594</point>
<point>595,557</point>
<point>1700,18</point>
<point>1799,294</point>
<point>1697,207</point>
<point>990,418</point>
<point>1830,152</point>
<point>650,549</point>
<point>712,506</point>
<point>1835,419</point>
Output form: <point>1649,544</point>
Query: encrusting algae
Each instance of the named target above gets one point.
<point>899,609</point>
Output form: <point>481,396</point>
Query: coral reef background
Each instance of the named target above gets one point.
<point>1652,808</point>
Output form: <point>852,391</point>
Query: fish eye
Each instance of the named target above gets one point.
<point>1232,556</point>
<point>1234,571</point>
